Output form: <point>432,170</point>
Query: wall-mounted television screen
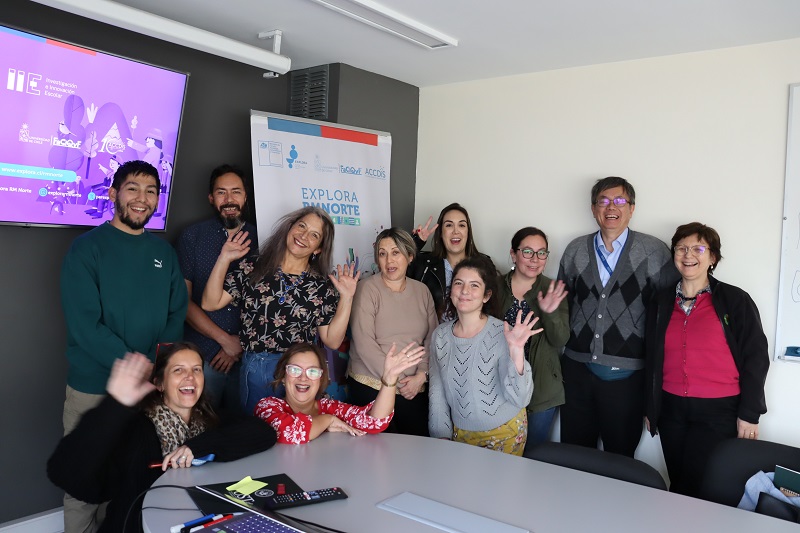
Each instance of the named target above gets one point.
<point>69,117</point>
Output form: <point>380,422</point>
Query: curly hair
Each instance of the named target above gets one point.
<point>272,251</point>
<point>488,274</point>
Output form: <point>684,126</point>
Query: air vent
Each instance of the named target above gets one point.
<point>308,92</point>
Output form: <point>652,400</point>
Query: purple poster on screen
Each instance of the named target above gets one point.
<point>68,118</point>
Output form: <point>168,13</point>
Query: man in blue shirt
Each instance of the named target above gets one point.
<point>611,276</point>
<point>216,332</point>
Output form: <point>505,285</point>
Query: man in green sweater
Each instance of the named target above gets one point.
<point>122,291</point>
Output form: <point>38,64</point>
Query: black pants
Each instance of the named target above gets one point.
<point>410,416</point>
<point>690,429</point>
<point>595,409</point>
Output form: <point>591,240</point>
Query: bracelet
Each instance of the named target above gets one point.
<point>383,382</point>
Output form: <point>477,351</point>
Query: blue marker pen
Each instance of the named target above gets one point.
<point>203,460</point>
<point>195,462</point>
<point>190,523</point>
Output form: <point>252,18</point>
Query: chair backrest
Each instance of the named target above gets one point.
<point>598,462</point>
<point>771,506</point>
<point>734,461</point>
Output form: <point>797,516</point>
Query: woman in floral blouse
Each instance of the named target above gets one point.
<point>302,416</point>
<point>286,296</point>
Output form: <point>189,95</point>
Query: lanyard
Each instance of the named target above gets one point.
<point>602,257</point>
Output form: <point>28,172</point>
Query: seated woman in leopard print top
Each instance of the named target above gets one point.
<point>144,427</point>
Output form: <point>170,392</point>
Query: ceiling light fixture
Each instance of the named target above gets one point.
<point>383,18</point>
<point>174,32</point>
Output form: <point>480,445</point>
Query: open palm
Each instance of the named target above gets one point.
<point>517,336</point>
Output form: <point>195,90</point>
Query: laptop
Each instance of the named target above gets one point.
<point>259,519</point>
<point>252,523</point>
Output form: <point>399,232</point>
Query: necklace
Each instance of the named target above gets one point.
<point>285,288</point>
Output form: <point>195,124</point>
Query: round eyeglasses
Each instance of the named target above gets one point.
<point>297,371</point>
<point>619,201</point>
<point>527,253</point>
<point>697,250</point>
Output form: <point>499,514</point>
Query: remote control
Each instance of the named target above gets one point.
<point>283,501</point>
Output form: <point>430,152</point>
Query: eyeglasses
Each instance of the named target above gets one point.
<point>527,253</point>
<point>619,201</point>
<point>696,250</point>
<point>297,371</point>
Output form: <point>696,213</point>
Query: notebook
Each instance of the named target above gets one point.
<point>787,480</point>
<point>214,502</point>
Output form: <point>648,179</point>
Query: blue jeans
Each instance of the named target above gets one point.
<point>255,379</point>
<point>222,390</point>
<point>539,426</point>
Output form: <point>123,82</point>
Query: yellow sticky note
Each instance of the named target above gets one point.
<point>247,486</point>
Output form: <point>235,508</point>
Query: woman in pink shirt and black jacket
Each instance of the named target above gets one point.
<point>707,361</point>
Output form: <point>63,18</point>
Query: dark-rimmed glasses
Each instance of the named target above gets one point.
<point>528,253</point>
<point>619,201</point>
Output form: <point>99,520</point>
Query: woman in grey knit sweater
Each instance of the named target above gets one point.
<point>480,380</point>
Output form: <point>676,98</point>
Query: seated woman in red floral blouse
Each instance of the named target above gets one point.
<point>302,416</point>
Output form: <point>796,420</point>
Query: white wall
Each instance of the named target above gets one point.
<point>701,136</point>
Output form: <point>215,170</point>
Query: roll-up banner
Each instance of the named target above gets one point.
<point>343,170</point>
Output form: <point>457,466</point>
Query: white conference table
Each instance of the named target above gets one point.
<point>529,494</point>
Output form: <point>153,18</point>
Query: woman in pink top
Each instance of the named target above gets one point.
<point>303,415</point>
<point>707,361</point>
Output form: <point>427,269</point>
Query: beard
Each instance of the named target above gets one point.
<point>125,218</point>
<point>230,221</point>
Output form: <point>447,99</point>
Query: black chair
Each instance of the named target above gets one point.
<point>598,462</point>
<point>734,461</point>
<point>771,506</point>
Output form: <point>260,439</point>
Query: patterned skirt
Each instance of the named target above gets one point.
<point>508,438</point>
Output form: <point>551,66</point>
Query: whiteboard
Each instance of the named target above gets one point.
<point>788,327</point>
